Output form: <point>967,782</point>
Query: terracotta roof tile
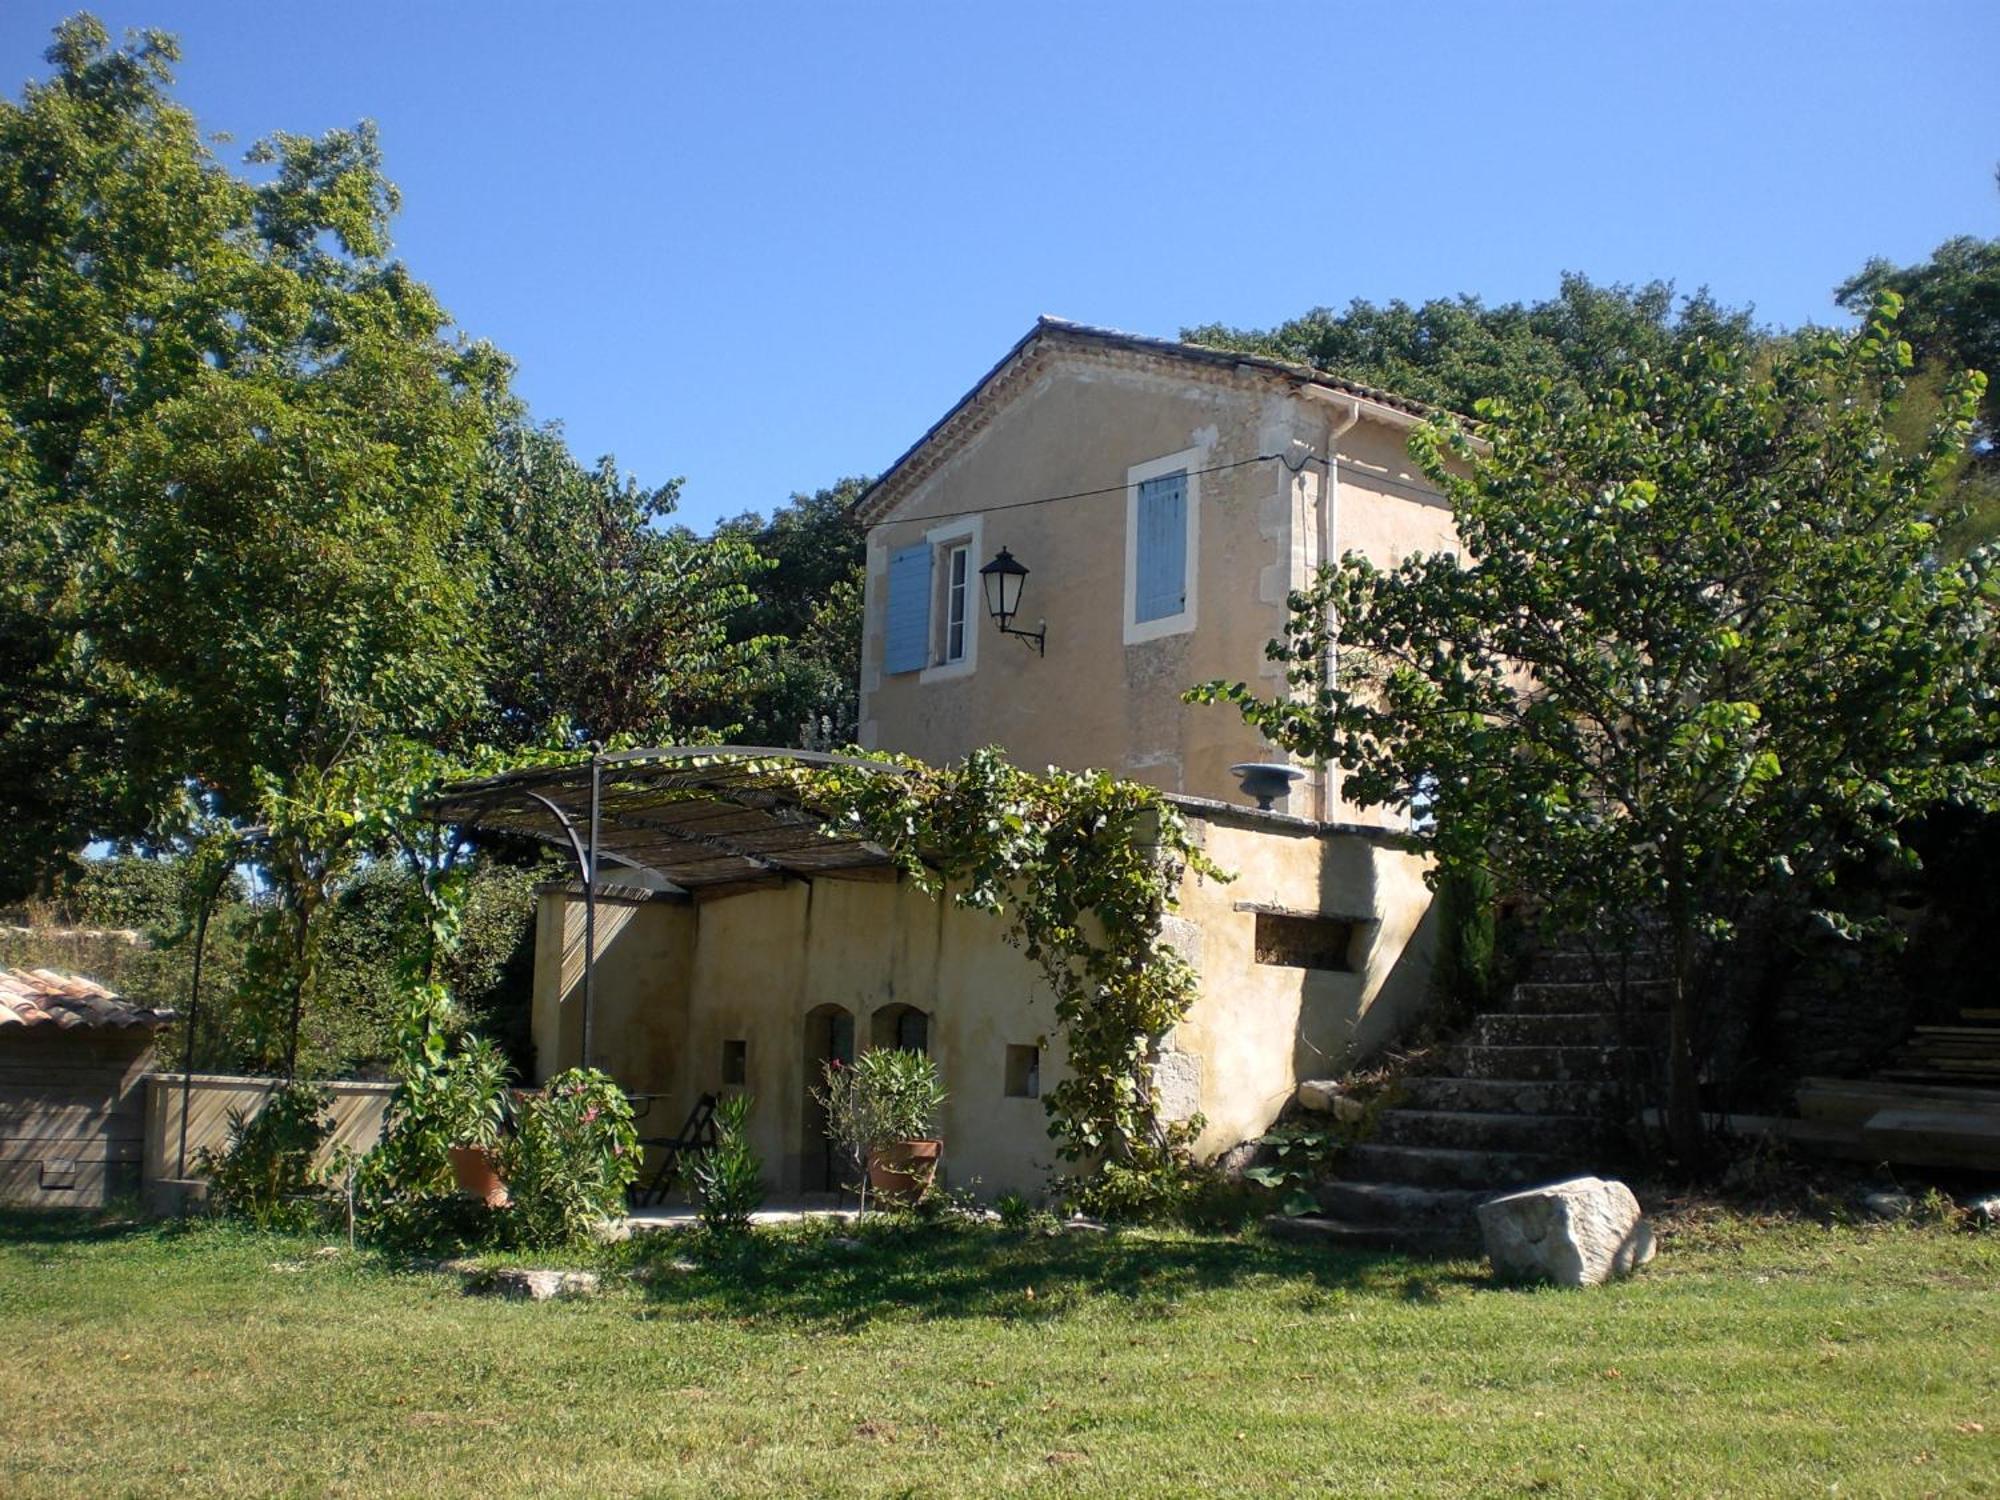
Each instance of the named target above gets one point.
<point>47,997</point>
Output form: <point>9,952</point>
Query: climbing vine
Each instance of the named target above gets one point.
<point>1081,866</point>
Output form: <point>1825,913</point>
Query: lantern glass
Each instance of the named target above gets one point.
<point>1002,579</point>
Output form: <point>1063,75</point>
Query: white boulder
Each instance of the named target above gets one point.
<point>1575,1233</point>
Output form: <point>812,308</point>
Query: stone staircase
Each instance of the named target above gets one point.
<point>1529,1094</point>
<point>1935,1102</point>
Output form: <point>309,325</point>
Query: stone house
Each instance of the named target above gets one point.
<point>1195,495</point>
<point>1165,499</point>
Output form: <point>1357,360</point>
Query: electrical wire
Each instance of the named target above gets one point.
<point>1109,489</point>
<point>1119,489</point>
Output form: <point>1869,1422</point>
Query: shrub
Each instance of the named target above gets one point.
<point>473,1102</point>
<point>1141,1192</point>
<point>887,1094</point>
<point>266,1173</point>
<point>1300,1157</point>
<point>728,1178</point>
<point>573,1154</point>
<point>1462,976</point>
<point>1015,1211</point>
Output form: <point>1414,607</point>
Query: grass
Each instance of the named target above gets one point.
<point>1752,1359</point>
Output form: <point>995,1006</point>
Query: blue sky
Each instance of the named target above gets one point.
<point>763,246</point>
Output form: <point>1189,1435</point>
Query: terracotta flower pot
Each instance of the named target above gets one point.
<point>477,1170</point>
<point>902,1171</point>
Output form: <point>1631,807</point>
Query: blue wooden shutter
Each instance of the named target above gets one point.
<point>1162,548</point>
<point>908,619</point>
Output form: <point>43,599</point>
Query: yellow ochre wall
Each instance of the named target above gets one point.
<point>676,979</point>
<point>1094,700</point>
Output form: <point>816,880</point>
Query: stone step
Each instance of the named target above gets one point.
<point>1575,964</point>
<point>1338,1234</point>
<point>1544,997</point>
<point>1400,1204</point>
<point>1853,1101</point>
<point>1510,1096</point>
<point>1962,1138</point>
<point>1603,1064</point>
<point>1468,1130</point>
<point>1602,1028</point>
<point>1442,1166</point>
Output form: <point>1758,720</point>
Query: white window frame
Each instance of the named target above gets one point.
<point>1191,460</point>
<point>957,559</point>
<point>968,532</point>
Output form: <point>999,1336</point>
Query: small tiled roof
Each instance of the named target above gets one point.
<point>47,997</point>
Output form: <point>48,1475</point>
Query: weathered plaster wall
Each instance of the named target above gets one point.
<point>1096,701</point>
<point>1259,1028</point>
<point>678,981</point>
<point>645,950</point>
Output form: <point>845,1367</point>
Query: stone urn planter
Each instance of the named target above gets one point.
<point>902,1171</point>
<point>476,1169</point>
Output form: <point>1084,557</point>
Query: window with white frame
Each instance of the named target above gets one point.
<point>957,565</point>
<point>954,621</point>
<point>930,619</point>
<point>1162,528</point>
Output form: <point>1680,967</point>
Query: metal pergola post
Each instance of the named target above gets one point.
<point>584,852</point>
<point>590,894</point>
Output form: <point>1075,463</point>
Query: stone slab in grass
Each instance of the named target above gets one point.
<point>1581,1232</point>
<point>529,1283</point>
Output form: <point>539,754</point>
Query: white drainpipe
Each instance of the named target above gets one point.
<point>1347,413</point>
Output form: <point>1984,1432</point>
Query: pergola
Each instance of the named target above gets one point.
<point>709,820</point>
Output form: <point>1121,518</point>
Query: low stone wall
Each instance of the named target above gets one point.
<point>358,1111</point>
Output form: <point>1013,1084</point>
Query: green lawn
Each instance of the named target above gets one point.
<point>1749,1360</point>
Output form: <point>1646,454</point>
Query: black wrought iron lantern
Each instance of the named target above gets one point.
<point>1003,580</point>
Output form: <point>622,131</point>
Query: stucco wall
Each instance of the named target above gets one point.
<point>678,981</point>
<point>1096,700</point>
<point>1259,1028</point>
<point>645,949</point>
<point>754,967</point>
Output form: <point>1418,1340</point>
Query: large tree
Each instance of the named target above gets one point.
<point>1952,321</point>
<point>1698,649</point>
<point>1454,352</point>
<point>235,439</point>
<point>807,613</point>
<point>609,623</point>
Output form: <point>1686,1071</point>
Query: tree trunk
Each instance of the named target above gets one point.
<point>1684,1123</point>
<point>301,939</point>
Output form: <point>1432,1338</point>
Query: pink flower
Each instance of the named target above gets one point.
<point>590,1114</point>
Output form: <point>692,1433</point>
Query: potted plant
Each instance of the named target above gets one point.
<point>472,1099</point>
<point>883,1108</point>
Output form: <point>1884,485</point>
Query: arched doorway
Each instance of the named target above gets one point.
<point>901,1026</point>
<point>829,1034</point>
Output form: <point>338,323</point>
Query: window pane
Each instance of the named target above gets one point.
<point>954,605</point>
